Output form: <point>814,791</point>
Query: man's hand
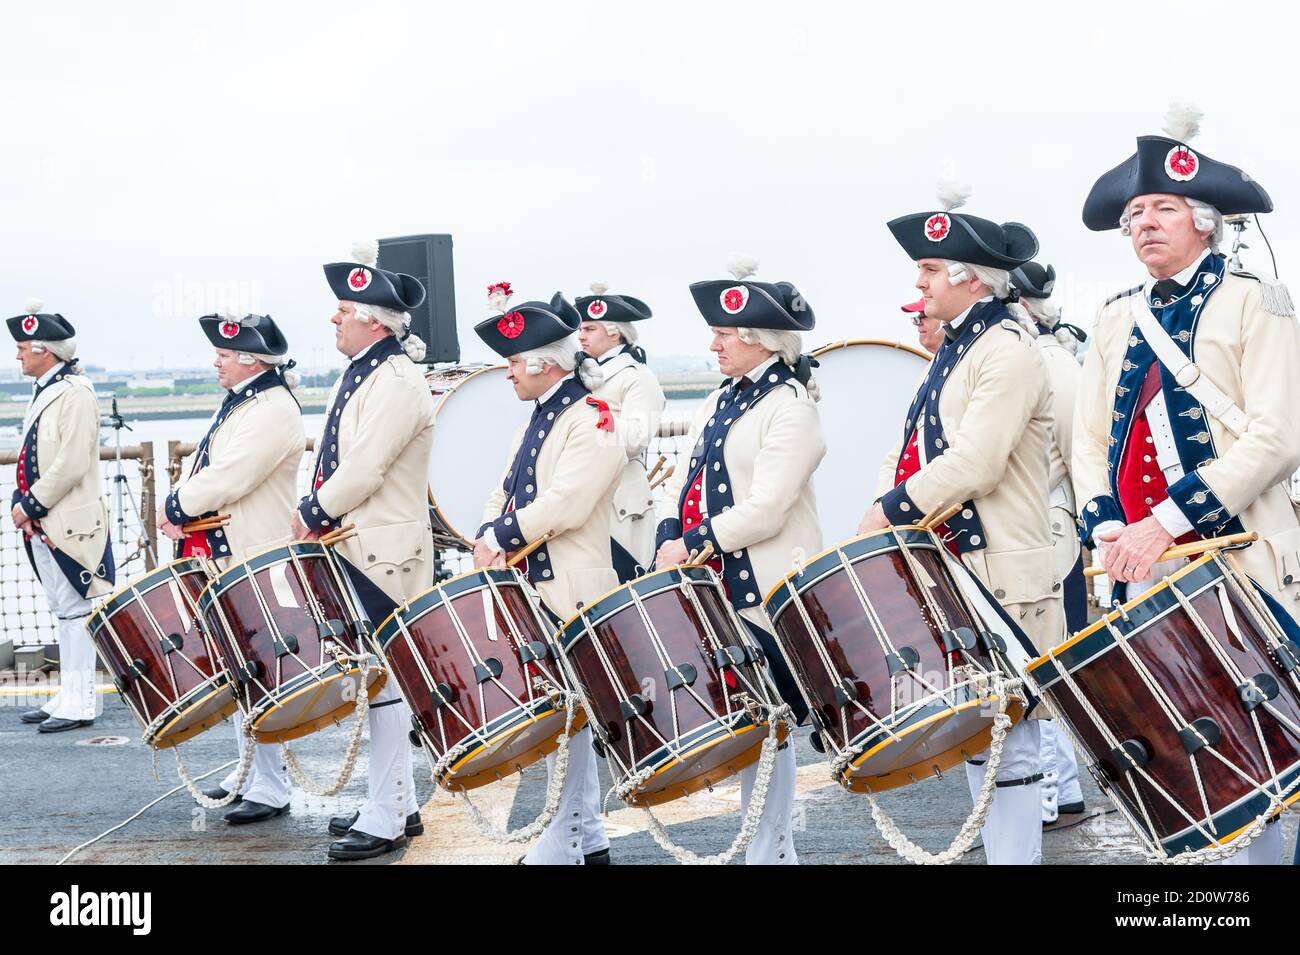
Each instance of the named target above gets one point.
<point>170,529</point>
<point>301,531</point>
<point>485,556</point>
<point>21,520</point>
<point>873,520</point>
<point>1132,551</point>
<point>671,553</point>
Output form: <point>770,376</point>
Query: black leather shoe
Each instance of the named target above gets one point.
<point>1070,809</point>
<point>361,845</point>
<point>53,725</point>
<point>597,858</point>
<point>216,792</point>
<point>250,811</point>
<point>35,716</point>
<point>342,825</point>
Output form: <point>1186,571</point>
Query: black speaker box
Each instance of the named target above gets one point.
<point>428,258</point>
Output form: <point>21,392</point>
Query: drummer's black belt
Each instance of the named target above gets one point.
<point>376,706</point>
<point>1007,784</point>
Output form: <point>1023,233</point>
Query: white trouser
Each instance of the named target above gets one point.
<point>76,698</point>
<point>1266,850</point>
<point>1060,769</point>
<point>392,784</point>
<point>267,781</point>
<point>773,843</point>
<point>1013,831</point>
<point>576,829</point>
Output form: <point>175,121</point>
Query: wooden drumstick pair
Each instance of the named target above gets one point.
<point>937,517</point>
<point>527,549</point>
<point>668,472</point>
<point>699,558</point>
<point>205,524</point>
<point>1189,550</point>
<point>338,535</point>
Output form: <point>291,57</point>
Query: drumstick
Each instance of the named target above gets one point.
<point>668,472</point>
<point>655,470</point>
<point>1187,550</point>
<point>337,535</point>
<point>938,516</point>
<point>205,524</point>
<point>527,549</point>
<point>700,557</point>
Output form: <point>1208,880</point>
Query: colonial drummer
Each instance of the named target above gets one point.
<point>1058,341</point>
<point>1167,449</point>
<point>246,466</point>
<point>371,470</point>
<point>559,480</point>
<point>608,334</point>
<point>747,489</point>
<point>977,435</point>
<point>58,506</point>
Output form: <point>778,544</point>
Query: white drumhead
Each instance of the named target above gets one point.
<point>867,387</point>
<point>474,423</point>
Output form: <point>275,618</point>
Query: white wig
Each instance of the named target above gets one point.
<point>65,350</point>
<point>291,377</point>
<point>563,354</point>
<point>1205,218</point>
<point>396,322</point>
<point>998,282</point>
<point>624,330</point>
<point>785,345</point>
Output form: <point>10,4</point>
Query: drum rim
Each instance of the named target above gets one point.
<point>298,685</point>
<point>927,538</point>
<point>1052,656</point>
<point>105,608</point>
<point>437,408</point>
<point>212,687</point>
<point>517,716</point>
<point>562,630</point>
<point>513,576</point>
<point>1189,838</point>
<point>900,346</point>
<point>715,731</point>
<point>240,569</point>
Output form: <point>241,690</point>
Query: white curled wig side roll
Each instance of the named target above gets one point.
<point>396,322</point>
<point>64,350</point>
<point>291,378</point>
<point>625,330</point>
<point>787,346</point>
<point>998,282</point>
<point>1047,315</point>
<point>564,354</point>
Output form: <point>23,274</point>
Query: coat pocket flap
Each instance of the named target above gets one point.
<point>392,544</point>
<point>1023,576</point>
<point>1284,550</point>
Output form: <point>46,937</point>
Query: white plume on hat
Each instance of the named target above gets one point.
<point>952,194</point>
<point>366,252</point>
<point>1183,121</point>
<point>741,266</point>
<point>498,297</point>
<point>599,288</point>
<point>34,305</point>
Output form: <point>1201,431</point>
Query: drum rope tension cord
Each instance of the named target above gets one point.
<point>241,772</point>
<point>354,743</point>
<point>554,786</point>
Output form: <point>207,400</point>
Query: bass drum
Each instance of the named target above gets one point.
<point>861,426</point>
<point>476,414</point>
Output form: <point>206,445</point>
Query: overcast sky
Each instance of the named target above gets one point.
<point>158,158</point>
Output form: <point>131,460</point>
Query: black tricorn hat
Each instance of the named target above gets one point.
<point>363,281</point>
<point>530,325</point>
<point>37,325</point>
<point>1032,280</point>
<point>739,302</point>
<point>957,237</point>
<point>600,306</point>
<point>1166,164</point>
<point>256,334</point>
